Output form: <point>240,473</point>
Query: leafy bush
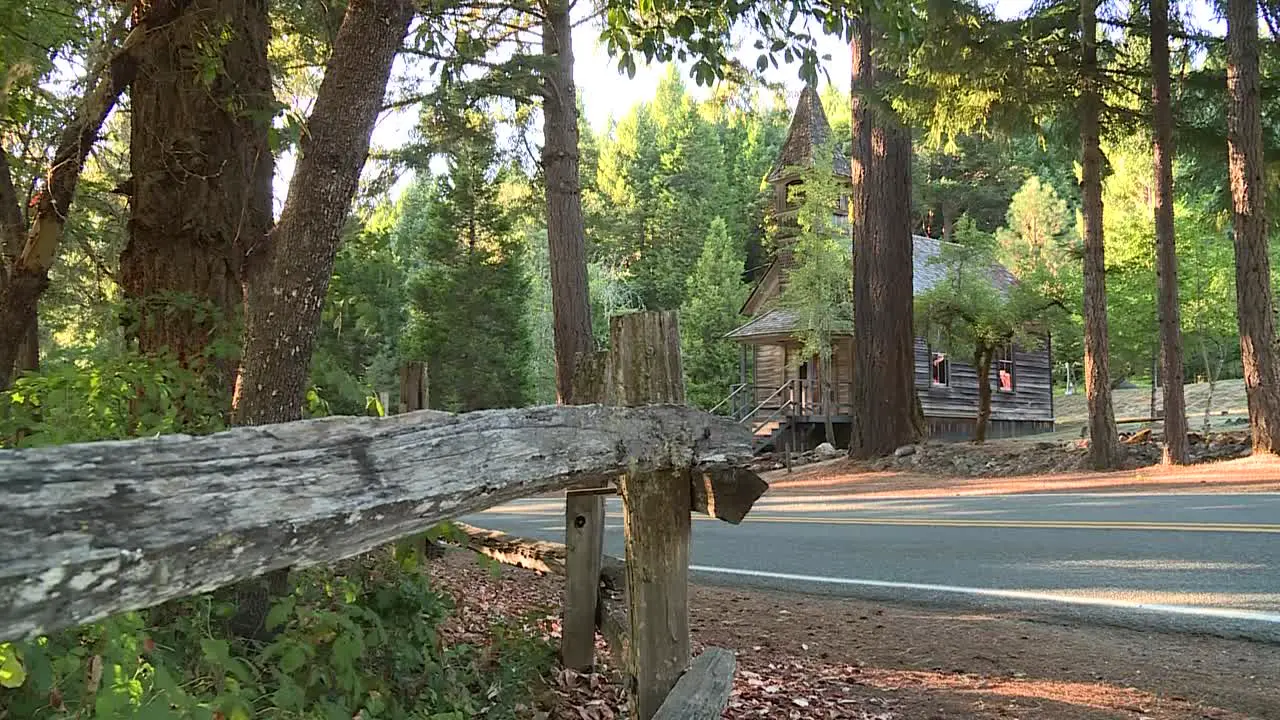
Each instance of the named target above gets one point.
<point>110,399</point>
<point>360,641</point>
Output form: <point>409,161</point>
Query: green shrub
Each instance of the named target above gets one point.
<point>361,641</point>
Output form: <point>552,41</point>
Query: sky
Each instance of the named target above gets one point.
<point>608,93</point>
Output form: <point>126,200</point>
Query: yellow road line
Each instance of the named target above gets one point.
<point>1033,524</point>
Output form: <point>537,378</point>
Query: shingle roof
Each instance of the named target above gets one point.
<point>809,129</point>
<point>925,274</point>
<point>777,321</point>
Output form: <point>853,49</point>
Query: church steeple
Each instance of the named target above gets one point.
<point>809,130</point>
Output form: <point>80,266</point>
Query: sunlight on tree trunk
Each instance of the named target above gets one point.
<point>570,301</point>
<point>28,274</point>
<point>288,280</point>
<point>1249,220</point>
<point>1175,406</point>
<point>1104,444</point>
<point>885,407</point>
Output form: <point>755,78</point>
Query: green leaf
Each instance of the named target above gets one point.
<point>216,652</point>
<point>293,658</point>
<point>12,673</point>
<point>280,613</point>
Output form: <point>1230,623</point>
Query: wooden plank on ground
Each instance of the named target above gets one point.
<point>703,692</point>
<point>90,530</point>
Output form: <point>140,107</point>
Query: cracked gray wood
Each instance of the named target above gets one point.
<point>703,692</point>
<point>95,529</point>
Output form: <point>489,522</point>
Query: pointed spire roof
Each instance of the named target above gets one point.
<point>809,129</point>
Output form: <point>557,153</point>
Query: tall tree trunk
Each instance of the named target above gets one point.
<point>28,274</point>
<point>567,251</point>
<point>982,363</point>
<point>1175,404</point>
<point>1249,220</point>
<point>201,187</point>
<point>287,275</point>
<point>12,238</point>
<point>886,412</point>
<point>287,278</point>
<point>1104,444</point>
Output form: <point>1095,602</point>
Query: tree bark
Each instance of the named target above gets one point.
<point>201,181</point>
<point>982,363</point>
<point>288,278</point>
<point>29,270</point>
<point>1104,443</point>
<point>1175,404</point>
<point>12,238</point>
<point>886,411</point>
<point>566,239</point>
<point>1249,222</point>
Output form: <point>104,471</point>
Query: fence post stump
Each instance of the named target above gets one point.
<point>413,397</point>
<point>584,542</point>
<point>413,386</point>
<point>644,368</point>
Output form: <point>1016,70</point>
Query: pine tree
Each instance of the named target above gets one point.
<point>664,175</point>
<point>710,311</point>
<point>1104,444</point>
<point>1256,310</point>
<point>469,291</point>
<point>886,409</point>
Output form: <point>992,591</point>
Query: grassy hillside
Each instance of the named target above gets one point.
<point>1228,397</point>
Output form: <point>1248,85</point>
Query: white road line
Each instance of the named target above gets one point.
<point>1221,613</point>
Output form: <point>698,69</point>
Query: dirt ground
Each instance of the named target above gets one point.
<point>1250,474</point>
<point>805,657</point>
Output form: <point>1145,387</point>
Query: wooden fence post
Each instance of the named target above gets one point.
<point>644,368</point>
<point>413,386</point>
<point>413,397</point>
<point>584,542</point>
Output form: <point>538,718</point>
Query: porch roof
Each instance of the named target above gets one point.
<point>777,323</point>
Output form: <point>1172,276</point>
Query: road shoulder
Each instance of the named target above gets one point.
<point>803,656</point>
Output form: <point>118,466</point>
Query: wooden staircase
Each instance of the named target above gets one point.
<point>766,433</point>
<point>766,422</point>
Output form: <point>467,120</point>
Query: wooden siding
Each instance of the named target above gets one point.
<point>770,371</point>
<point>1031,399</point>
<point>842,358</point>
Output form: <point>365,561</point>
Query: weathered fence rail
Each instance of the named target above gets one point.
<point>95,529</point>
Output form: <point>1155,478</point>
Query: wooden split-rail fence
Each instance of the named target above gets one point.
<point>94,529</point>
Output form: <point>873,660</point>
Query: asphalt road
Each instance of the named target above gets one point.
<point>1188,563</point>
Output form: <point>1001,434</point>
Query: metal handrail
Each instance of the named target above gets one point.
<point>733,392</point>
<point>786,385</point>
